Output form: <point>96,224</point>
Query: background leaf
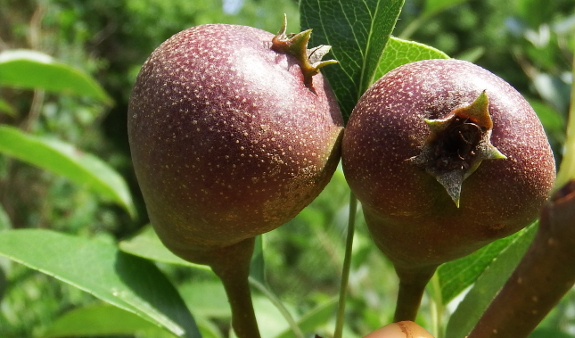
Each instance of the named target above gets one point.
<point>316,317</point>
<point>102,320</point>
<point>257,266</point>
<point>435,6</point>
<point>64,159</point>
<point>6,108</point>
<point>146,244</point>
<point>5,223</point>
<point>399,52</point>
<point>458,275</point>
<point>358,32</point>
<point>34,70</point>
<point>487,285</point>
<point>126,281</point>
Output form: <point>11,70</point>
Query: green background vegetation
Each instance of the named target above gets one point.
<point>527,42</point>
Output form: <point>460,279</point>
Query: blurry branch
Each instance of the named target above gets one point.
<point>35,109</point>
<point>34,37</point>
<point>544,275</point>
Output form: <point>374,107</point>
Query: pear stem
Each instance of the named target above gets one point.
<point>412,284</point>
<point>232,265</point>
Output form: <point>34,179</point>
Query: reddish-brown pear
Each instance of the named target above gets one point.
<point>445,158</point>
<point>232,134</point>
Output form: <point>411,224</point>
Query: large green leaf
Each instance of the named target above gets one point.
<point>399,52</point>
<point>102,320</point>
<point>487,285</point>
<point>458,275</point>
<point>66,160</point>
<point>34,70</point>
<point>146,244</point>
<point>358,31</point>
<point>128,282</point>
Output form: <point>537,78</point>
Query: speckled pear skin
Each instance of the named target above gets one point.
<point>409,214</point>
<point>227,142</point>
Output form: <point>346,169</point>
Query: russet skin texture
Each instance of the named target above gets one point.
<point>230,140</point>
<point>410,216</point>
<point>227,141</point>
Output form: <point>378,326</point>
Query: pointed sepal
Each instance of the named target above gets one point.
<point>309,60</point>
<point>457,144</point>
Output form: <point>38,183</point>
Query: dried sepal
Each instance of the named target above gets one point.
<point>457,144</point>
<point>309,60</point>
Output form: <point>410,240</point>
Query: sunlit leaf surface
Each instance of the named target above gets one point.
<point>34,70</point>
<point>358,32</point>
<point>128,282</point>
<point>64,159</point>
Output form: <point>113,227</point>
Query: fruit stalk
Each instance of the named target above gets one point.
<point>541,279</point>
<point>232,265</point>
<point>412,284</point>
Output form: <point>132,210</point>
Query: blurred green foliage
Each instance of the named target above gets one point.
<point>529,43</point>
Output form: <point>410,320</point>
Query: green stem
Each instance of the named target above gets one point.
<point>232,265</point>
<point>279,305</point>
<point>346,267</point>
<point>412,284</point>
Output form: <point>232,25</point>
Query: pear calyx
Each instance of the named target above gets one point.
<point>309,60</point>
<point>457,144</point>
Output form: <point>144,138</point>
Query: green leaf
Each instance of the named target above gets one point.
<point>315,318</point>
<point>456,276</point>
<point>549,333</point>
<point>257,266</point>
<point>6,108</point>
<point>567,167</point>
<point>146,244</point>
<point>5,223</point>
<point>399,52</point>
<point>34,70</point>
<point>358,31</point>
<point>552,120</point>
<point>66,160</point>
<point>102,320</point>
<point>487,285</point>
<point>435,6</point>
<point>128,282</point>
<point>207,298</point>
